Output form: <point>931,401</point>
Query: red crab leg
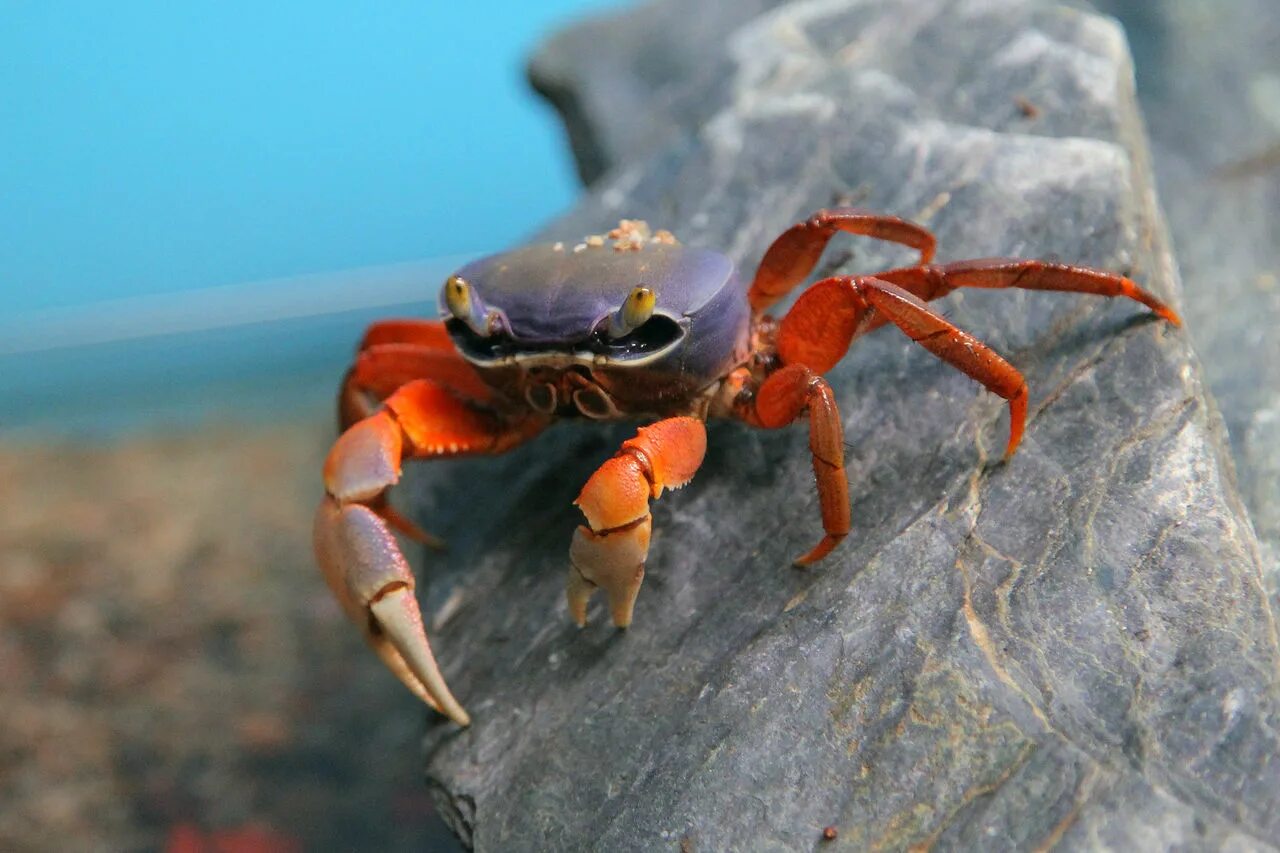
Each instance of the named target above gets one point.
<point>818,329</point>
<point>794,254</point>
<point>609,551</point>
<point>382,368</point>
<point>933,281</point>
<point>354,545</point>
<point>780,400</point>
<point>394,352</point>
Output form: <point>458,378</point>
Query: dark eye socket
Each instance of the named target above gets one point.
<point>653,334</point>
<point>473,345</point>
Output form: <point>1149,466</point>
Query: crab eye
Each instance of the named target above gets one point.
<point>636,309</point>
<point>464,305</point>
<point>457,295</point>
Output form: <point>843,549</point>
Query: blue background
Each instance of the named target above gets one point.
<point>159,147</point>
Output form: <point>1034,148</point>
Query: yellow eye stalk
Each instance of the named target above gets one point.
<point>636,309</point>
<point>464,306</point>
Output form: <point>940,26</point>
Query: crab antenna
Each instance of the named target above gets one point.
<point>636,309</point>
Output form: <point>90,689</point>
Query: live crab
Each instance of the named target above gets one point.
<point>631,325</point>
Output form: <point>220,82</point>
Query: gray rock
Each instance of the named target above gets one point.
<point>1074,647</point>
<point>648,80</point>
<point>1209,81</point>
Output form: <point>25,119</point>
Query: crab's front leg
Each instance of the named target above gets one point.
<point>609,551</point>
<point>354,544</point>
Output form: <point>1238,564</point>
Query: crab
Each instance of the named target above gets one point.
<point>629,325</point>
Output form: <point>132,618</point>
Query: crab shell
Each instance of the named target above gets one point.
<point>544,336</point>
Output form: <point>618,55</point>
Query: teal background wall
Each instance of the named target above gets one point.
<point>151,147</point>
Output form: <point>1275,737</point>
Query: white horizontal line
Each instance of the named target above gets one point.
<point>226,306</point>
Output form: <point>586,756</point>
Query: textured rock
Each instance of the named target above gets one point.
<point>630,81</point>
<point>1072,647</point>
<point>1202,66</point>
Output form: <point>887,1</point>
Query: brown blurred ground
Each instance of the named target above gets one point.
<point>170,659</point>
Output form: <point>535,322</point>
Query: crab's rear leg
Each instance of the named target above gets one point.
<point>933,281</point>
<point>610,550</point>
<point>791,257</point>
<point>353,541</point>
<point>818,329</point>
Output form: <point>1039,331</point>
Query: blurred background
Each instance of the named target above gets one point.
<point>202,205</point>
<point>185,169</point>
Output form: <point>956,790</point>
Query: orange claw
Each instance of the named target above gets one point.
<point>609,551</point>
<point>372,581</point>
<point>354,544</point>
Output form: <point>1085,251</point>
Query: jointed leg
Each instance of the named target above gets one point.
<point>791,257</point>
<point>780,400</point>
<point>383,368</point>
<point>395,352</point>
<point>353,541</point>
<point>818,330</point>
<point>609,551</point>
<point>933,281</point>
<point>816,333</point>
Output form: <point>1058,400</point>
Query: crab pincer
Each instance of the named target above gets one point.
<point>609,551</point>
<point>371,580</point>
<point>353,538</point>
<point>363,565</point>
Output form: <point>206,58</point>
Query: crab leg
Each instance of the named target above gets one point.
<point>932,281</point>
<point>781,399</point>
<point>609,551</point>
<point>353,541</point>
<point>818,329</point>
<point>394,352</point>
<point>383,368</point>
<point>791,257</point>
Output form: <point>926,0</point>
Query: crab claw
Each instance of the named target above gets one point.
<point>609,551</point>
<point>372,581</point>
<point>613,562</point>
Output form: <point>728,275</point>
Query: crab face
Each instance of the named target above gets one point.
<point>666,312</point>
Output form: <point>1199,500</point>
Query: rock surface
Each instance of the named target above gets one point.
<point>1219,68</point>
<point>1075,647</point>
<point>1199,66</point>
<point>627,82</point>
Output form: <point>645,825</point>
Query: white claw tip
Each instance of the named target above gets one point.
<point>398,616</point>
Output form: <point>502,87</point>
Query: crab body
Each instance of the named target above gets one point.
<point>550,309</point>
<point>641,328</point>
